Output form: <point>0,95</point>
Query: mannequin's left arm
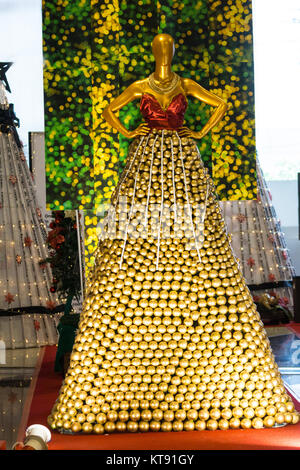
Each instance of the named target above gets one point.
<point>197,91</point>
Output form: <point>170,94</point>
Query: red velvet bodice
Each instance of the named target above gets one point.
<point>158,118</point>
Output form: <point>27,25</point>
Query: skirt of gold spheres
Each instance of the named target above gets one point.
<point>169,337</point>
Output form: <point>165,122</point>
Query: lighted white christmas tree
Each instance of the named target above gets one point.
<point>259,243</point>
<point>25,282</point>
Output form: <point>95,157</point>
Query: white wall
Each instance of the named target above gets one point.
<point>21,43</point>
<point>285,200</point>
<point>276,34</point>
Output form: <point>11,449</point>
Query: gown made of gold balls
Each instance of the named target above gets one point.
<point>169,337</point>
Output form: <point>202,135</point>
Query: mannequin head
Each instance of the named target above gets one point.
<point>163,49</point>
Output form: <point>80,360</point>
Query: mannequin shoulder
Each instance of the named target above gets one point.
<point>138,87</point>
<point>188,84</point>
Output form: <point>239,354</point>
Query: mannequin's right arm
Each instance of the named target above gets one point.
<point>134,91</point>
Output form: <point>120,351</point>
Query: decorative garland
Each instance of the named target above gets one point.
<point>64,260</point>
<point>9,122</point>
<point>270,285</point>
<point>31,310</point>
<point>272,308</point>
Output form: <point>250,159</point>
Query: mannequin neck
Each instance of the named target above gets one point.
<point>163,73</point>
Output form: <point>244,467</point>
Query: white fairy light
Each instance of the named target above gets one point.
<point>173,182</point>
<point>188,200</point>
<point>150,181</point>
<point>132,204</point>
<point>162,196</point>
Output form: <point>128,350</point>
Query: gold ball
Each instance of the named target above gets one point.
<point>98,428</point>
<point>109,427</point>
<point>143,426</point>
<point>120,426</point>
<point>246,423</point>
<point>244,403</point>
<point>215,413</point>
<point>95,409</point>
<point>87,428</point>
<point>90,400</point>
<point>192,415</point>
<point>234,423</point>
<point>59,423</point>
<point>271,410</point>
<point>249,413</point>
<point>132,426</point>
<point>135,415</point>
<point>166,426</point>
<point>257,423</point>
<point>223,424</point>
<point>288,417</point>
<point>281,408</point>
<point>91,418</point>
<point>169,415</point>
<point>146,415</point>
<point>112,415</point>
<point>86,409</point>
<point>260,412</point>
<point>189,425</point>
<point>76,427</point>
<point>177,426</point>
<point>290,407</point>
<point>81,418</point>
<point>157,414</point>
<point>253,403</point>
<point>269,421</point>
<point>234,402</point>
<point>226,413</point>
<point>279,418</point>
<point>237,412</point>
<point>164,406</point>
<point>212,424</point>
<point>154,426</point>
<point>101,418</point>
<point>180,415</point>
<point>72,411</point>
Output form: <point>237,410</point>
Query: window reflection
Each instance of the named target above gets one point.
<point>286,349</point>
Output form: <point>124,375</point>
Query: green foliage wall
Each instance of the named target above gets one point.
<point>94,49</point>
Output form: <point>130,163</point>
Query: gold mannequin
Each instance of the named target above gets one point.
<point>165,343</point>
<point>163,50</point>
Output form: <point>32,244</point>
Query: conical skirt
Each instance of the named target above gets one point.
<point>169,337</point>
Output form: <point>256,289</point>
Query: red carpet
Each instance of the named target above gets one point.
<point>2,445</point>
<point>45,391</point>
<point>295,327</point>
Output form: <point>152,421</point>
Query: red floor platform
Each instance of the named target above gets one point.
<point>2,445</point>
<point>44,391</point>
